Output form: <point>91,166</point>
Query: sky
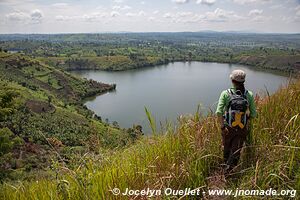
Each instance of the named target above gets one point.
<point>95,16</point>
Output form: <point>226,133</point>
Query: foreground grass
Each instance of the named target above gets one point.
<point>185,158</point>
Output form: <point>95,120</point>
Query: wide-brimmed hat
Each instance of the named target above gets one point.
<point>238,75</point>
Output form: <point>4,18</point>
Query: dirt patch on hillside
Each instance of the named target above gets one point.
<point>39,106</point>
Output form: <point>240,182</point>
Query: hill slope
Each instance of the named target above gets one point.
<point>42,115</point>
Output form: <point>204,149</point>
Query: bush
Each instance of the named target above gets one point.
<point>6,144</point>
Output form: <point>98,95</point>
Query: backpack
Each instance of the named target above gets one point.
<point>236,111</point>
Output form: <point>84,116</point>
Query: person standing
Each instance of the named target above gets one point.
<point>236,108</point>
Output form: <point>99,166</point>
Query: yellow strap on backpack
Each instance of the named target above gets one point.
<point>237,120</point>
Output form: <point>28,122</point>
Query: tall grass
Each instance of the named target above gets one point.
<point>184,158</point>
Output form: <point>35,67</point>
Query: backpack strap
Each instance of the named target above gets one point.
<point>230,92</point>
<point>245,93</point>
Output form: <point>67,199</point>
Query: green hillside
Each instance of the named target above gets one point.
<point>43,120</point>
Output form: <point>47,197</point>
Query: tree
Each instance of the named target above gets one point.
<point>190,56</point>
<point>6,143</point>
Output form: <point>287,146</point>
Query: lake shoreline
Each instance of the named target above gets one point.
<point>278,71</point>
<point>93,96</point>
<point>170,83</point>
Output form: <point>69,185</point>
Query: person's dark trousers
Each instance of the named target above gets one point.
<point>233,140</point>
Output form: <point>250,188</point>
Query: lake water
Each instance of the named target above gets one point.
<point>169,91</point>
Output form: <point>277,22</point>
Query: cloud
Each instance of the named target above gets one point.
<point>15,2</point>
<point>151,19</point>
<point>60,5</point>
<point>92,17</point>
<point>118,1</point>
<point>220,15</point>
<point>168,15</point>
<point>187,17</point>
<point>181,1</point>
<point>256,15</point>
<point>114,14</point>
<point>255,12</point>
<point>297,14</point>
<point>206,2</point>
<point>278,6</point>
<point>184,14</point>
<point>250,1</point>
<point>136,14</point>
<point>64,18</point>
<point>17,16</point>
<point>119,8</point>
<point>182,17</point>
<point>35,16</point>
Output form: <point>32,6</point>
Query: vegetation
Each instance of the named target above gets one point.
<point>125,51</point>
<point>188,157</point>
<point>53,147</point>
<point>42,114</point>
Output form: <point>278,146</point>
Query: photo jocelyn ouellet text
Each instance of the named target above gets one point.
<point>200,192</point>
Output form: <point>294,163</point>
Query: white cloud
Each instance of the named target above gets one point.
<point>155,12</point>
<point>15,2</point>
<point>118,1</point>
<point>168,15</point>
<point>206,2</point>
<point>188,17</point>
<point>255,15</point>
<point>141,13</point>
<point>114,14</point>
<point>136,14</point>
<point>184,14</point>
<point>17,16</point>
<point>65,18</point>
<point>60,5</point>
<point>182,17</point>
<point>35,16</point>
<point>250,1</point>
<point>151,19</point>
<point>92,17</point>
<point>255,12</point>
<point>126,7</point>
<point>297,15</point>
<point>173,15</point>
<point>220,15</point>
<point>181,1</point>
<point>278,6</point>
<point>60,18</point>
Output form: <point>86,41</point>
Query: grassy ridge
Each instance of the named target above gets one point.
<point>185,158</point>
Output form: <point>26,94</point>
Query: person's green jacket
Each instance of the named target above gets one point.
<point>224,102</point>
